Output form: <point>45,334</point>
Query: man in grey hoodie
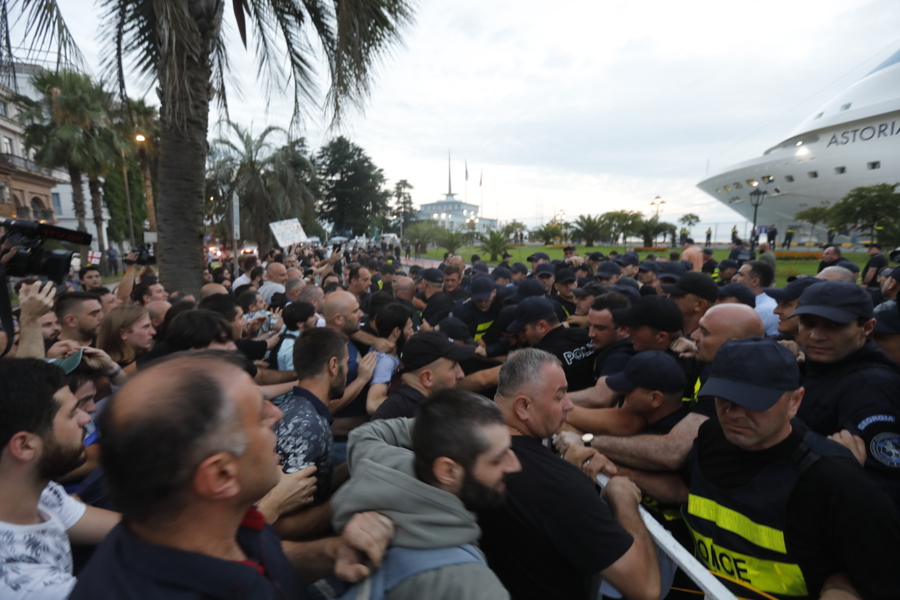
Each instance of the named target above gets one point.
<point>427,475</point>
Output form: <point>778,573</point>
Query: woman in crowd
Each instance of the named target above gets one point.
<point>126,333</point>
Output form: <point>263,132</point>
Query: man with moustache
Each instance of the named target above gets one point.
<point>42,435</point>
<point>427,474</point>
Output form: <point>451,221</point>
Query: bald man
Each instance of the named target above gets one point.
<point>189,511</point>
<point>836,273</point>
<point>276,277</point>
<point>158,310</point>
<point>405,291</point>
<point>211,289</point>
<point>720,324</point>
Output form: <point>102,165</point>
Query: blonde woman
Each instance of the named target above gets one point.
<point>125,333</point>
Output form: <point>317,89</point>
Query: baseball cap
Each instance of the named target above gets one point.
<point>837,301</point>
<point>699,284</point>
<point>628,282</point>
<point>729,263</point>
<point>753,373</point>
<point>538,256</point>
<point>740,291</point>
<point>518,267</point>
<point>629,258</point>
<point>531,310</point>
<point>671,270</point>
<point>455,329</point>
<point>658,312</point>
<point>887,322</point>
<point>481,287</point>
<point>596,256</point>
<point>895,274</point>
<point>592,289</point>
<point>426,347</point>
<point>527,289</point>
<point>649,265</point>
<point>433,275</point>
<point>501,273</point>
<point>69,363</point>
<point>544,269</point>
<point>481,267</point>
<point>791,291</point>
<point>631,293</point>
<point>607,269</point>
<point>708,251</point>
<point>507,255</point>
<point>565,275</point>
<point>650,370</point>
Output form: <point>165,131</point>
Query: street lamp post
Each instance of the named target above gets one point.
<point>127,199</point>
<point>756,199</point>
<point>657,202</point>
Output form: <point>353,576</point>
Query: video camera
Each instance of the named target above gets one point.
<point>144,256</point>
<point>31,258</point>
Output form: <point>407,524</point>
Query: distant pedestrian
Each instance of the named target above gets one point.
<point>708,237</point>
<point>112,257</point>
<point>788,238</point>
<point>772,234</point>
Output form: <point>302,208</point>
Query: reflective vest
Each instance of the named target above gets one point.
<point>482,329</point>
<point>739,533</point>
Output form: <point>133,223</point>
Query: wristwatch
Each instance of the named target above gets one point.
<point>587,438</point>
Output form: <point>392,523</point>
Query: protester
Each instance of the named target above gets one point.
<point>79,316</point>
<point>758,275</point>
<point>126,333</point>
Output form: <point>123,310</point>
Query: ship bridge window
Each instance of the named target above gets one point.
<point>819,116</point>
<point>752,182</point>
<point>789,178</point>
<point>874,165</point>
<point>813,174</point>
<point>719,191</point>
<point>727,188</point>
<point>840,170</point>
<point>768,179</point>
<point>737,185</point>
<point>846,106</point>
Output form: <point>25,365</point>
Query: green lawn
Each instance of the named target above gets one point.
<point>786,268</point>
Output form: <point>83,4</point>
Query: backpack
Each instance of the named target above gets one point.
<point>402,563</point>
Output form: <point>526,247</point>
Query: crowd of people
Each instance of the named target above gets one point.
<point>328,423</point>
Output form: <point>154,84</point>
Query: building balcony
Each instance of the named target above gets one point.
<point>23,164</point>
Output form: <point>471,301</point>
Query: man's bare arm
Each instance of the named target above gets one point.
<point>480,380</point>
<point>599,396</point>
<point>606,421</point>
<point>93,526</point>
<point>665,487</point>
<point>652,452</point>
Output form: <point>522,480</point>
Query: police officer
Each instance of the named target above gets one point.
<point>850,383</point>
<point>772,506</point>
<point>788,237</point>
<point>708,236</point>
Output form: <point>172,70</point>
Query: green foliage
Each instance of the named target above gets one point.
<point>622,222</point>
<point>403,209</point>
<point>352,188</point>
<point>273,182</point>
<point>114,198</point>
<point>689,220</point>
<point>814,215</point>
<point>547,233</point>
<point>650,228</point>
<point>514,227</point>
<point>589,229</point>
<point>494,243</point>
<point>451,240</point>
<point>426,232</point>
<point>874,208</point>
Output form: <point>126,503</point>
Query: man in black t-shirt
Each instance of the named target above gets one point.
<point>437,303</point>
<point>537,321</point>
<point>877,261</point>
<point>772,506</point>
<point>554,534</point>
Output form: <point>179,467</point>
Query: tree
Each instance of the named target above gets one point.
<point>494,243</point>
<point>621,222</point>
<point>273,182</point>
<point>404,208</point>
<point>547,233</point>
<point>650,228</point>
<point>589,229</point>
<point>871,207</point>
<point>426,232</point>
<point>68,127</point>
<point>145,123</point>
<point>179,48</point>
<point>813,215</point>
<point>513,228</point>
<point>451,240</point>
<point>352,188</point>
<point>689,220</point>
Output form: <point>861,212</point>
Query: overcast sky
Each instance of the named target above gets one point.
<point>585,106</point>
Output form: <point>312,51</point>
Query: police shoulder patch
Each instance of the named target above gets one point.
<point>885,448</point>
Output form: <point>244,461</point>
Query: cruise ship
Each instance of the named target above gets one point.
<point>852,141</point>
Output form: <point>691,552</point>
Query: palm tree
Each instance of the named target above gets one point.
<point>179,47</point>
<point>145,123</point>
<point>547,233</point>
<point>273,183</point>
<point>648,229</point>
<point>427,232</point>
<point>689,220</point>
<point>68,127</point>
<point>451,240</point>
<point>494,243</point>
<point>589,229</point>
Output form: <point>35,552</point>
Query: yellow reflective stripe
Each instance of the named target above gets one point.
<point>380,283</point>
<point>733,521</point>
<point>482,329</point>
<point>694,398</point>
<point>764,575</point>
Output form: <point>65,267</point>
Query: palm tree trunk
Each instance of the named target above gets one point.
<point>181,172</point>
<point>148,190</point>
<point>95,188</point>
<point>78,205</point>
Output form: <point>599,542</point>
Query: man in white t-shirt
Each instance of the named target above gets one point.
<point>41,438</point>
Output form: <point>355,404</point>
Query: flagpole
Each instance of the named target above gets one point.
<point>466,198</point>
<point>481,187</point>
